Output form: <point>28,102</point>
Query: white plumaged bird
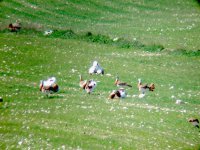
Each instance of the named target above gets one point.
<point>49,86</point>
<point>96,68</point>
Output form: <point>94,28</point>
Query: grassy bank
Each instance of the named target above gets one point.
<point>173,24</point>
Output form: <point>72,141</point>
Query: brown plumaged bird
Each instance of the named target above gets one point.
<point>144,87</point>
<point>88,86</point>
<point>50,89</point>
<point>194,121</point>
<point>82,83</point>
<point>119,83</point>
<point>120,93</point>
<point>14,27</point>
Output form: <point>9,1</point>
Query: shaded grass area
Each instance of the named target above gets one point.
<point>187,52</point>
<point>103,39</point>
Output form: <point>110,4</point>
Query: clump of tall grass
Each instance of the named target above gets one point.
<point>64,34</point>
<point>120,42</point>
<point>153,48</point>
<point>99,38</point>
<point>186,52</point>
<point>35,29</point>
<point>123,43</point>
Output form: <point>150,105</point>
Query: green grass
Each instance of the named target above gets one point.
<point>72,118</point>
<point>158,22</point>
<point>85,31</point>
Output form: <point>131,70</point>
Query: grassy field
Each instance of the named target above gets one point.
<point>174,24</point>
<point>158,42</point>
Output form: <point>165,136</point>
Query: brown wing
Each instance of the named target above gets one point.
<point>145,86</point>
<point>118,93</point>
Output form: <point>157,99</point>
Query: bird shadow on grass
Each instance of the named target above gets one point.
<point>52,96</point>
<point>2,106</point>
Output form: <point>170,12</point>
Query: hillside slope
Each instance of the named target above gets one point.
<point>173,24</point>
<point>151,40</point>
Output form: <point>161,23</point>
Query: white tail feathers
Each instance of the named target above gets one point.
<point>96,69</point>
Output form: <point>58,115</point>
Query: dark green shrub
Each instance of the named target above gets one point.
<point>153,48</point>
<point>88,34</point>
<point>98,38</point>
<point>68,34</point>
<point>123,43</point>
<point>187,52</point>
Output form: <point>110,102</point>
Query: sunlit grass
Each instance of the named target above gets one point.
<point>72,119</point>
<point>152,40</point>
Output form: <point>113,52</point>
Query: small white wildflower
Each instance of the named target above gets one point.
<point>134,95</point>
<point>178,101</point>
<point>108,74</point>
<point>116,39</point>
<point>63,147</point>
<point>125,108</point>
<point>141,95</point>
<point>20,142</point>
<point>112,108</point>
<point>73,70</point>
<point>128,96</point>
